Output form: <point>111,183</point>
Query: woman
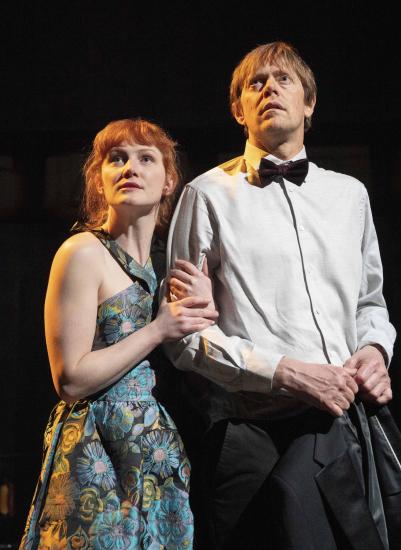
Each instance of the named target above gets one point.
<point>115,473</point>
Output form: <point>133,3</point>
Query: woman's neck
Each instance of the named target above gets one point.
<point>134,235</point>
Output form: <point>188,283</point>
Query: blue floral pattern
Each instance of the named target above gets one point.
<point>115,474</point>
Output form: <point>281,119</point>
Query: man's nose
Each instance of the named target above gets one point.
<point>270,86</point>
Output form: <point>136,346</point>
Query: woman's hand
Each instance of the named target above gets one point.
<point>187,280</point>
<point>177,319</point>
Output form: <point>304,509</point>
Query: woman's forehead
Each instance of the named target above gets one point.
<point>130,144</point>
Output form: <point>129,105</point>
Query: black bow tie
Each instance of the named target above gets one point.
<point>292,171</point>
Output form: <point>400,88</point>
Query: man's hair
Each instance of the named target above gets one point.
<point>94,207</point>
<point>281,54</point>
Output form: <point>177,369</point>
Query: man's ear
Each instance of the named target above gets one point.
<point>310,108</point>
<point>238,113</point>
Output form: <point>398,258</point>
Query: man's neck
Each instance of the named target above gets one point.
<point>284,150</point>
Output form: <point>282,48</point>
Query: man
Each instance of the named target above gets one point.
<point>303,330</point>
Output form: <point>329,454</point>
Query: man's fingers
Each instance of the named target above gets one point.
<point>334,410</point>
<point>351,364</point>
<point>372,382</point>
<point>377,391</point>
<point>352,385</point>
<point>385,397</point>
<point>350,395</point>
<point>364,373</point>
<point>349,369</point>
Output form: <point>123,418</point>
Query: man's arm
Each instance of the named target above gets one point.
<point>376,334</point>
<point>233,362</point>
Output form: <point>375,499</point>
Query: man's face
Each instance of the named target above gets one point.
<point>272,106</point>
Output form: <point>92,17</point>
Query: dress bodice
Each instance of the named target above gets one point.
<point>122,314</point>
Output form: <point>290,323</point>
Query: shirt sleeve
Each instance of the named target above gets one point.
<point>372,320</point>
<point>235,363</point>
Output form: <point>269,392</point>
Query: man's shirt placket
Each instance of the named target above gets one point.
<point>290,192</point>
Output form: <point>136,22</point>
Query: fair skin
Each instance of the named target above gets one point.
<point>84,274</point>
<point>272,107</point>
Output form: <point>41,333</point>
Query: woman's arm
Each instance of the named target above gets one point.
<point>70,324</point>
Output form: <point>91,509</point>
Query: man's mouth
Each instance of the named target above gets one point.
<point>272,105</point>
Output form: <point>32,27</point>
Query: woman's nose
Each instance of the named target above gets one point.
<point>129,169</point>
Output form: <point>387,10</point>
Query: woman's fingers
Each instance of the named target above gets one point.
<point>178,293</point>
<point>193,301</point>
<point>181,275</point>
<point>187,267</point>
<point>205,267</point>
<point>176,283</point>
<point>201,313</point>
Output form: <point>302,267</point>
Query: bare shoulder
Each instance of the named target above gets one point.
<point>83,252</point>
<point>81,247</point>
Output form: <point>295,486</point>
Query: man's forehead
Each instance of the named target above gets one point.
<point>268,67</point>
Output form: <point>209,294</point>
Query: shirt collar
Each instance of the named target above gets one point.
<point>253,155</point>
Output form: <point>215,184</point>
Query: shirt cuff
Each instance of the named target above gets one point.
<point>260,367</point>
<point>379,347</point>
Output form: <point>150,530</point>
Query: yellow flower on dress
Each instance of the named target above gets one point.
<point>61,464</point>
<point>60,498</point>
<point>151,491</point>
<point>79,540</point>
<point>70,436</point>
<point>53,536</point>
<point>131,482</point>
<point>90,504</point>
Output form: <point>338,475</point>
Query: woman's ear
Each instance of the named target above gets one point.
<point>169,186</point>
<point>99,185</point>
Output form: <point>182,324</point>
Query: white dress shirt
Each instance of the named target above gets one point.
<point>307,284</point>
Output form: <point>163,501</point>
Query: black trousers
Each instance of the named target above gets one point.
<point>297,484</point>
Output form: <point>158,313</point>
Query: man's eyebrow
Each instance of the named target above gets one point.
<point>258,74</point>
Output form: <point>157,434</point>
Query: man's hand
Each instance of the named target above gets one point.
<point>326,387</point>
<point>371,375</point>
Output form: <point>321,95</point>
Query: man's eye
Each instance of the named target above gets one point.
<point>284,78</point>
<point>256,84</point>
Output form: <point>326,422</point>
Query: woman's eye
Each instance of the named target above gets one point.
<point>116,158</point>
<point>146,159</point>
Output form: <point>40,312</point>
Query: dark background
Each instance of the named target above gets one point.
<point>68,68</point>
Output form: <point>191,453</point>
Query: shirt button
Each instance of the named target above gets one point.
<point>317,312</point>
<point>301,228</point>
<point>291,190</point>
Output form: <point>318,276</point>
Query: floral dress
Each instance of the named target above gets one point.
<point>115,474</point>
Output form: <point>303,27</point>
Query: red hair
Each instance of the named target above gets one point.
<point>94,207</point>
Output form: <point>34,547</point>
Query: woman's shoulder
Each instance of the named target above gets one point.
<point>83,248</point>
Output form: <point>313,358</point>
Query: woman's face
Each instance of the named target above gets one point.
<point>134,174</point>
